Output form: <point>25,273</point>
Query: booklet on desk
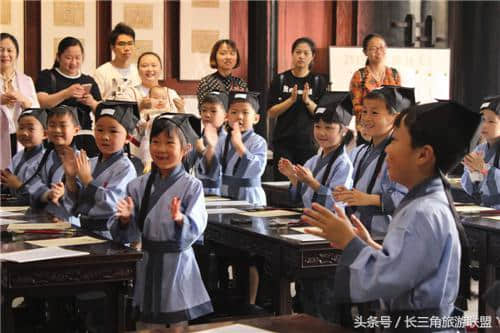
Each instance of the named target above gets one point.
<point>240,328</point>
<point>44,253</point>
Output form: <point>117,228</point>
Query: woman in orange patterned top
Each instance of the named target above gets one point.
<point>375,73</point>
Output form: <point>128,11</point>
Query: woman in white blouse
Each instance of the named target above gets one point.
<point>149,67</point>
<point>17,91</point>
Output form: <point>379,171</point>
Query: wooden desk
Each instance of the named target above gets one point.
<point>298,323</point>
<point>285,259</point>
<point>108,267</point>
<point>484,238</point>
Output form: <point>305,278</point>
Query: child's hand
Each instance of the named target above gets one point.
<point>179,104</point>
<point>303,174</point>
<point>475,161</point>
<point>83,167</point>
<point>286,168</point>
<point>293,96</point>
<point>236,133</point>
<point>199,146</point>
<point>175,210</point>
<point>211,135</point>
<point>340,192</point>
<point>69,162</point>
<point>305,94</point>
<point>9,179</point>
<point>355,197</point>
<point>56,193</point>
<point>124,210</point>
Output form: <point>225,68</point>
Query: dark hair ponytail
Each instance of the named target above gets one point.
<point>63,45</point>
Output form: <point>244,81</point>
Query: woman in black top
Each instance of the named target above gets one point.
<point>64,84</point>
<point>292,100</point>
<point>224,57</point>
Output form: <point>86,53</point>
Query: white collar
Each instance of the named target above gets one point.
<point>77,76</point>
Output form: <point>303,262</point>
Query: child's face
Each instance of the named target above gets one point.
<point>30,133</point>
<point>213,113</point>
<point>159,98</point>
<point>110,135</point>
<point>327,135</point>
<point>490,126</point>
<point>166,150</point>
<point>61,129</point>
<point>377,120</point>
<point>244,114</point>
<point>402,158</point>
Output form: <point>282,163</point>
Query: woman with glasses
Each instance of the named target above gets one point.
<point>375,73</point>
<point>117,77</point>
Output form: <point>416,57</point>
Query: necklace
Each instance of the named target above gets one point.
<point>379,77</point>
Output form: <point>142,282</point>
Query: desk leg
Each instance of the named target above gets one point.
<point>486,280</point>
<point>116,306</point>
<point>285,299</point>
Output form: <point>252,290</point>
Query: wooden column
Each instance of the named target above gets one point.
<point>32,38</point>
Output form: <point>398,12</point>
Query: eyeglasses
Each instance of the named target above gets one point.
<point>122,44</point>
<point>375,49</point>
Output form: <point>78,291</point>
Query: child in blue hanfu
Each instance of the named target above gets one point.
<point>481,177</point>
<point>165,211</point>
<point>423,263</point>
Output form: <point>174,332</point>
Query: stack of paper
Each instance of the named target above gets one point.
<point>270,213</point>
<point>4,221</point>
<point>240,328</point>
<point>44,253</point>
<point>224,210</point>
<point>67,241</point>
<point>215,198</point>
<point>304,238</point>
<point>232,203</point>
<point>472,209</point>
<point>39,226</point>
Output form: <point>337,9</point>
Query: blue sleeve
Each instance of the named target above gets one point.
<point>130,232</point>
<point>253,162</point>
<point>391,195</point>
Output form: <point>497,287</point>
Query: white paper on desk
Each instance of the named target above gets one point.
<point>284,183</point>
<point>2,213</point>
<point>67,241</point>
<point>471,209</point>
<point>303,229</point>
<point>227,203</point>
<point>239,328</point>
<point>13,208</point>
<point>39,226</point>
<point>497,218</point>
<point>270,213</point>
<point>225,210</point>
<point>214,198</point>
<point>304,237</point>
<point>43,253</point>
<point>5,221</point>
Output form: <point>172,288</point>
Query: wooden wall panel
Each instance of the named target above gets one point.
<point>32,39</point>
<point>313,19</point>
<point>103,12</point>
<point>346,21</point>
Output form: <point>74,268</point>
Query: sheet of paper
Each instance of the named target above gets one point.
<point>43,253</point>
<point>304,237</point>
<point>5,221</point>
<point>471,209</point>
<point>497,218</point>
<point>270,213</point>
<point>11,213</point>
<point>13,208</point>
<point>302,229</point>
<point>224,210</point>
<point>39,226</point>
<point>240,328</point>
<point>284,183</point>
<point>214,198</point>
<point>83,240</point>
<point>227,203</point>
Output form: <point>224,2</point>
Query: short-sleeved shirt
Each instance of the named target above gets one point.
<point>45,83</point>
<point>360,87</point>
<point>294,126</point>
<point>217,82</point>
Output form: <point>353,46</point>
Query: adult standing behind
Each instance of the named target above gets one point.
<point>117,77</point>
<point>65,84</point>
<point>17,91</point>
<point>375,73</point>
<point>224,57</point>
<point>292,100</point>
<point>149,66</point>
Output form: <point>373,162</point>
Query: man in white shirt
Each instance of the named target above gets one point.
<point>117,77</point>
